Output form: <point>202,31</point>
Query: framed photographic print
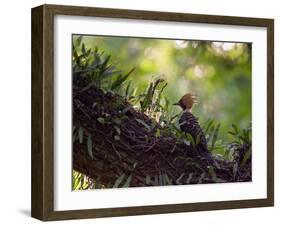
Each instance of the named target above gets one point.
<point>141,112</point>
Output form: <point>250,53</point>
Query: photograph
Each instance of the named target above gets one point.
<point>139,112</point>
<point>159,112</point>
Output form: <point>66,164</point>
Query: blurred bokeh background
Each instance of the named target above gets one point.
<point>219,73</point>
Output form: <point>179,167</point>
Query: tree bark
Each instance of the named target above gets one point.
<point>112,140</point>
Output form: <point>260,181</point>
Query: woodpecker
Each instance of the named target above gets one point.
<point>189,124</point>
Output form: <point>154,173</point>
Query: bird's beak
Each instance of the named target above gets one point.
<point>176,104</point>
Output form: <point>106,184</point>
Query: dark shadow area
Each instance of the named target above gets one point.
<point>25,212</point>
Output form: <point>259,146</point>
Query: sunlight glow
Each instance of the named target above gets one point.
<point>181,44</point>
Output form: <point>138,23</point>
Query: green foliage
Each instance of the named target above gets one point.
<point>78,181</point>
<point>243,136</point>
<point>153,96</point>
<point>150,100</point>
<point>147,179</point>
<point>148,128</point>
<point>122,179</point>
<point>95,67</point>
<point>160,180</point>
<point>246,157</point>
<point>212,173</point>
<point>80,135</point>
<point>82,182</point>
<point>127,182</point>
<point>90,146</point>
<point>219,73</point>
<point>118,181</point>
<point>120,80</point>
<point>163,179</point>
<point>215,136</point>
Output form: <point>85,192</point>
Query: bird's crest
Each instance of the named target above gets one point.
<point>187,101</point>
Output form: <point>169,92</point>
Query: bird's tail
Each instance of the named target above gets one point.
<point>207,155</point>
